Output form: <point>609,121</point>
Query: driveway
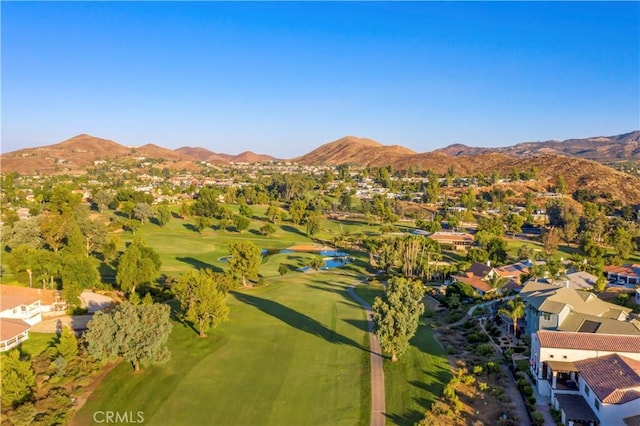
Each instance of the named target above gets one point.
<point>52,325</point>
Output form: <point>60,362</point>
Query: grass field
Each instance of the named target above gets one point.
<point>293,352</point>
<point>414,382</point>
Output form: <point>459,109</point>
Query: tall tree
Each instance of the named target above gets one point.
<point>241,223</point>
<point>68,344</point>
<point>244,260</point>
<point>163,215</point>
<point>313,223</point>
<point>396,315</point>
<point>515,310</point>
<point>202,300</point>
<point>139,264</point>
<point>137,333</point>
<point>78,273</point>
<point>17,378</point>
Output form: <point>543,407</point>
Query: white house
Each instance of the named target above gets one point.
<point>21,308</point>
<point>591,378</point>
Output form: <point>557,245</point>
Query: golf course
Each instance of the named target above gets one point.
<point>295,350</point>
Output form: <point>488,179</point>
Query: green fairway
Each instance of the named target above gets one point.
<point>414,382</point>
<point>294,352</point>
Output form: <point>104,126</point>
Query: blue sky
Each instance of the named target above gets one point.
<point>283,78</point>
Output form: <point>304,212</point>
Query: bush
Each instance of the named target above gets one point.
<point>527,391</point>
<point>537,419</point>
<point>531,400</point>
<point>468,379</point>
<point>484,349</point>
<point>483,386</point>
<point>477,338</point>
<point>77,311</point>
<point>477,370</point>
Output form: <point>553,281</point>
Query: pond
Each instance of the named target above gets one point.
<point>332,258</point>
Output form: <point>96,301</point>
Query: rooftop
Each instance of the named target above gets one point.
<point>615,379</point>
<point>12,296</point>
<point>12,327</point>
<point>589,341</point>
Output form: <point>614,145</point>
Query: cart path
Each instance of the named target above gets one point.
<point>378,417</point>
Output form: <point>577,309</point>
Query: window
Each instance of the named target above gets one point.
<point>546,317</point>
<point>550,356</point>
<point>597,404</point>
<point>586,389</point>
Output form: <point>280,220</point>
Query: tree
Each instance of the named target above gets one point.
<point>163,215</point>
<point>244,260</point>
<point>78,273</point>
<point>267,229</point>
<point>316,263</point>
<point>475,254</point>
<point>273,213</point>
<point>68,344</point>
<point>101,199</point>
<point>201,223</point>
<point>142,212</point>
<point>396,315</point>
<point>202,301</point>
<point>621,241</point>
<point>497,249</point>
<point>137,333</point>
<point>23,232</point>
<point>550,241</point>
<point>515,310</point>
<point>561,185</point>
<point>313,223</point>
<point>94,235</point>
<point>241,223</point>
<point>297,209</point>
<point>139,264</point>
<point>283,269</point>
<point>246,211</point>
<point>514,223</point>
<point>54,229</point>
<point>497,282</point>
<point>17,378</point>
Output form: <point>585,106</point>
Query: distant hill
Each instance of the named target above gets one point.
<point>600,148</point>
<point>551,158</point>
<point>354,150</point>
<point>252,157</point>
<point>203,154</point>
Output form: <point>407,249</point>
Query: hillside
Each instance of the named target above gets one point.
<point>601,148</point>
<point>203,154</point>
<point>354,150</point>
<point>252,157</point>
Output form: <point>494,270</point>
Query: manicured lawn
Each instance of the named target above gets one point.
<point>36,343</point>
<point>414,382</point>
<point>293,352</point>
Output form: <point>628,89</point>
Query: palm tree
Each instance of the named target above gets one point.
<point>497,282</point>
<point>515,310</point>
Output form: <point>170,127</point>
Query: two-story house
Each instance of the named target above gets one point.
<point>591,379</point>
<point>550,307</point>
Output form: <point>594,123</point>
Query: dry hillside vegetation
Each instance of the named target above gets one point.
<point>354,150</point>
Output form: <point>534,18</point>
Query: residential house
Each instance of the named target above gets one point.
<point>457,240</point>
<point>628,275</point>
<point>21,308</point>
<point>591,379</point>
<point>479,276</point>
<point>547,307</point>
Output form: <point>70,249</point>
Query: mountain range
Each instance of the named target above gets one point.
<point>578,160</point>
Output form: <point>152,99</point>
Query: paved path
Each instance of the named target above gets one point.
<point>378,417</point>
<point>51,325</point>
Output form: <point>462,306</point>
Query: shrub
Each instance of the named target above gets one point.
<point>537,419</point>
<point>522,382</point>
<point>477,338</point>
<point>477,370</point>
<point>483,386</point>
<point>527,391</point>
<point>468,379</point>
<point>531,400</point>
<point>484,349</point>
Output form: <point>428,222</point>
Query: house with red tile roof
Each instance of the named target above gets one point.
<point>628,274</point>
<point>478,276</point>
<point>564,362</point>
<point>608,392</point>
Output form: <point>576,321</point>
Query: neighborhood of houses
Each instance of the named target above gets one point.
<point>585,352</point>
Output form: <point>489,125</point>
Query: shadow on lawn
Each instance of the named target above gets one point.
<point>198,264</point>
<point>409,418</point>
<point>296,319</point>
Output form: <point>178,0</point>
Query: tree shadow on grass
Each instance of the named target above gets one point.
<point>190,227</point>
<point>296,319</point>
<point>198,264</point>
<point>409,418</point>
<point>293,230</point>
<point>362,324</point>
